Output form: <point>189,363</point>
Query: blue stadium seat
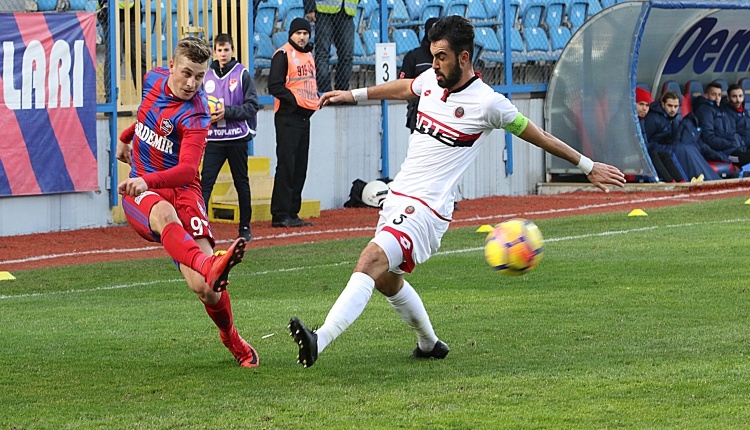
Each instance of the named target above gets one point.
<point>489,48</point>
<point>397,11</point>
<point>577,12</point>
<point>559,37</point>
<point>537,44</point>
<point>477,11</point>
<point>406,40</point>
<point>517,47</point>
<point>414,7</point>
<point>532,12</point>
<point>370,38</point>
<point>554,13</point>
<point>368,8</point>
<point>432,9</point>
<point>693,89</point>
<point>268,15</point>
<point>457,7</point>
<point>594,8</point>
<point>360,57</point>
<point>608,3</point>
<point>291,14</point>
<point>46,5</point>
<point>673,86</point>
<point>263,50</point>
<point>724,86</point>
<point>279,39</point>
<point>78,5</point>
<point>745,84</point>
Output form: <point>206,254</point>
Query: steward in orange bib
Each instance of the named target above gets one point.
<point>292,82</point>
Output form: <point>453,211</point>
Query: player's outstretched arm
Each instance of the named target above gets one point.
<point>400,89</point>
<point>599,174</point>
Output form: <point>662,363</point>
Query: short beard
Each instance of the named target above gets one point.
<point>450,80</point>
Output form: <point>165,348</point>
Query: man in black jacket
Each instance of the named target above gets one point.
<point>718,128</point>
<point>291,80</point>
<point>415,62</point>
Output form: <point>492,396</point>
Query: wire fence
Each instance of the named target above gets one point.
<point>344,34</point>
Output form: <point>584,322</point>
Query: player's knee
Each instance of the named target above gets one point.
<point>162,214</point>
<point>372,261</point>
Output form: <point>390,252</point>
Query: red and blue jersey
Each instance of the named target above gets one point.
<point>169,130</point>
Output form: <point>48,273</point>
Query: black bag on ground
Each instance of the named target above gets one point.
<point>355,195</point>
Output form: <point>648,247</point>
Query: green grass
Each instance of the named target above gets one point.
<point>637,322</point>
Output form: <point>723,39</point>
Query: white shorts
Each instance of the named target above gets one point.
<point>409,232</point>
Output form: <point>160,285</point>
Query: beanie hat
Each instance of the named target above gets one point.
<point>299,24</point>
<point>642,95</point>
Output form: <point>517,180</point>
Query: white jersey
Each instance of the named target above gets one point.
<point>451,127</point>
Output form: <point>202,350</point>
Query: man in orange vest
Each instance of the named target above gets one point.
<point>291,81</point>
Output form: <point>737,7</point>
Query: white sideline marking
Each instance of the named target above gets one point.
<point>299,268</point>
<point>372,228</point>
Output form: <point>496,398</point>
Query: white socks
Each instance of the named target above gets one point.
<point>409,305</point>
<point>348,307</point>
<point>352,302</point>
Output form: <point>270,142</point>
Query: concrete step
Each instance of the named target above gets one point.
<point>229,211</point>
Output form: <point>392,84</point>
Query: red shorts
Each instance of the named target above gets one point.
<point>188,204</point>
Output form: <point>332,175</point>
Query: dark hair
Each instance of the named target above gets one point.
<point>713,85</point>
<point>669,95</point>
<point>458,31</point>
<point>734,87</point>
<point>194,49</point>
<point>222,39</point>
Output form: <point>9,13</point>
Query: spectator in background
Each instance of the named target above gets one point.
<point>663,159</point>
<point>334,23</point>
<point>232,126</point>
<point>718,128</point>
<point>291,80</point>
<point>665,131</point>
<point>735,106</point>
<point>415,62</point>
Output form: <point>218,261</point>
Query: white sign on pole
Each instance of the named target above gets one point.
<point>385,63</point>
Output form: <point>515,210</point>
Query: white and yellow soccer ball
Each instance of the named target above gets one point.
<point>514,247</point>
<point>214,104</point>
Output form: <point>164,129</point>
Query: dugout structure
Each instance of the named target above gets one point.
<point>591,95</point>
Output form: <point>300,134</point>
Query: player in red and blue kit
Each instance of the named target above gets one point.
<point>162,198</point>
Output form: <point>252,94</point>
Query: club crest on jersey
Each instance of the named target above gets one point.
<point>459,112</point>
<point>166,126</point>
<point>427,93</point>
<point>409,210</point>
<point>232,84</point>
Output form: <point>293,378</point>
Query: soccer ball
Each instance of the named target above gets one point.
<point>214,104</point>
<point>514,247</point>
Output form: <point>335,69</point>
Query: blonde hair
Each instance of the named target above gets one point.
<point>194,49</point>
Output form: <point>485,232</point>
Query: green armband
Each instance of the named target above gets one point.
<point>518,125</point>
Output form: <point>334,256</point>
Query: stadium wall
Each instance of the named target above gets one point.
<point>345,145</point>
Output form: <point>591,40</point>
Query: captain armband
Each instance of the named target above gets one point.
<point>518,125</point>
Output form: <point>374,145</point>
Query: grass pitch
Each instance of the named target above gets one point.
<point>636,322</point>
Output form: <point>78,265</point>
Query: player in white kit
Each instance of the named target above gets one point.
<point>456,114</point>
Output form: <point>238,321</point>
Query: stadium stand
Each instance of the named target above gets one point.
<point>263,51</point>
<point>457,7</point>
<point>537,44</point>
<point>559,37</point>
<point>268,15</point>
<point>532,13</point>
<point>477,12</point>
<point>489,49</point>
<point>406,40</point>
<point>554,13</point>
<point>46,5</point>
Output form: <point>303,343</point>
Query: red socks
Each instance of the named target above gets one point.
<point>221,312</point>
<point>181,247</point>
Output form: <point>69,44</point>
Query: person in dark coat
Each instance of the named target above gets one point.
<point>663,159</point>
<point>734,105</point>
<point>415,62</point>
<point>718,128</point>
<point>665,130</point>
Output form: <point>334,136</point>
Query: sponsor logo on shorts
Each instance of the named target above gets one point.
<point>142,195</point>
<point>409,210</point>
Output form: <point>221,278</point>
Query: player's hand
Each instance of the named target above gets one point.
<point>123,152</point>
<point>132,187</point>
<point>603,174</point>
<point>336,97</point>
<point>218,114</point>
